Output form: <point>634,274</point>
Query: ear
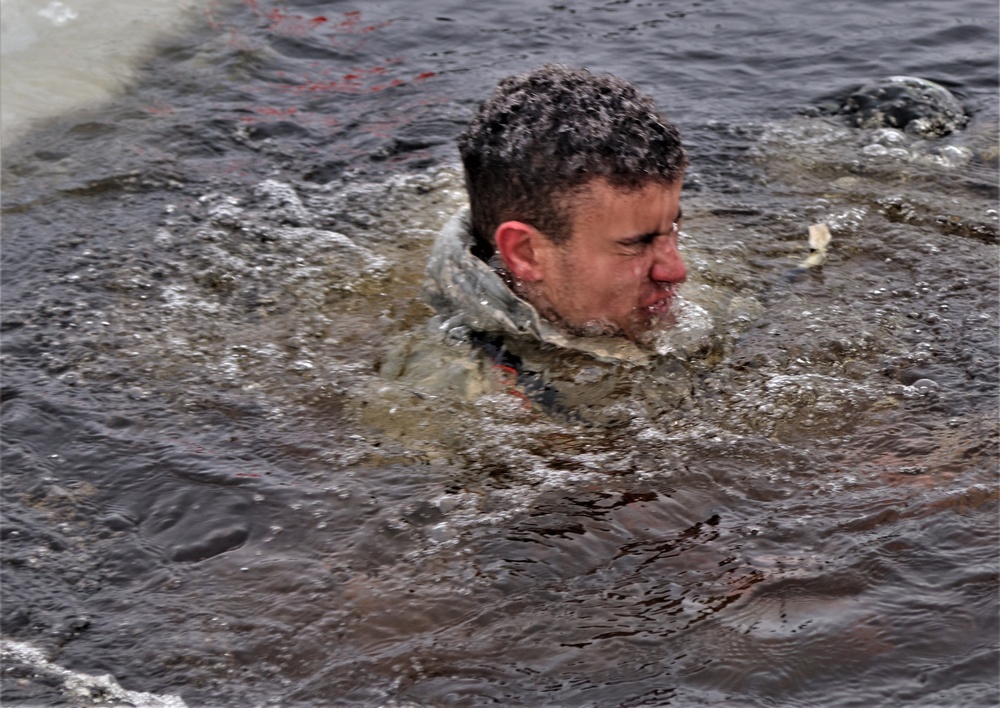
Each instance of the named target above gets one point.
<point>520,245</point>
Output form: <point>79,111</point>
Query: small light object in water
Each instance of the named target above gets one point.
<point>819,239</point>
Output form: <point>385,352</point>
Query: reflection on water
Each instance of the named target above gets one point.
<point>60,56</point>
<point>240,467</point>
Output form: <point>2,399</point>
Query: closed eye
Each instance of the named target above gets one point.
<point>644,240</point>
<point>636,241</point>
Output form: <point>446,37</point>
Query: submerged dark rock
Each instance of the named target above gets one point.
<point>918,106</point>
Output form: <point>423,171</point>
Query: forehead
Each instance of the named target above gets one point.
<point>600,192</point>
<point>647,207</point>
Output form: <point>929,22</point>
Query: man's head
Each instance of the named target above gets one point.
<point>574,180</point>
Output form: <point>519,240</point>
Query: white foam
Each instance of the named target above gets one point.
<point>689,335</point>
<point>103,689</point>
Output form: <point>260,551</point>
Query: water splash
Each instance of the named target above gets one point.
<point>690,333</point>
<point>88,689</point>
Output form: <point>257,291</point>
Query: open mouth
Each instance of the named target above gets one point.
<point>656,315</point>
<point>660,307</point>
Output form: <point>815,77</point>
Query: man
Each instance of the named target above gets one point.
<point>574,185</point>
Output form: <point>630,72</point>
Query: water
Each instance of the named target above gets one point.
<point>214,490</point>
<point>59,56</point>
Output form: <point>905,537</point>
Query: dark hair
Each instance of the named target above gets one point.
<point>543,135</point>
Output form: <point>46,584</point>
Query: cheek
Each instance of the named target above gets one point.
<point>631,276</point>
<point>606,283</point>
<point>622,285</point>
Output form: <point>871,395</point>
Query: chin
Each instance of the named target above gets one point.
<point>596,327</point>
<point>663,318</point>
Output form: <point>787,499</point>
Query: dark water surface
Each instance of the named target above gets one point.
<point>212,491</point>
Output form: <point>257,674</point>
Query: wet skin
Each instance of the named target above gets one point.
<point>618,272</point>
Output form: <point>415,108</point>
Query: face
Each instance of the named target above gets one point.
<point>619,271</point>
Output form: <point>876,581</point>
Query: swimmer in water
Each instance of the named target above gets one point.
<point>574,182</point>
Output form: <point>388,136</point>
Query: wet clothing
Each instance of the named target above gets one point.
<point>471,297</point>
<point>484,338</point>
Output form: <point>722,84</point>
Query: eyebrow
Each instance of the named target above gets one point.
<point>648,237</point>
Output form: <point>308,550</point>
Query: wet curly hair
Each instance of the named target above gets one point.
<point>542,136</point>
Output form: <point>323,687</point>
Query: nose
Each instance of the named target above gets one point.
<point>668,266</point>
